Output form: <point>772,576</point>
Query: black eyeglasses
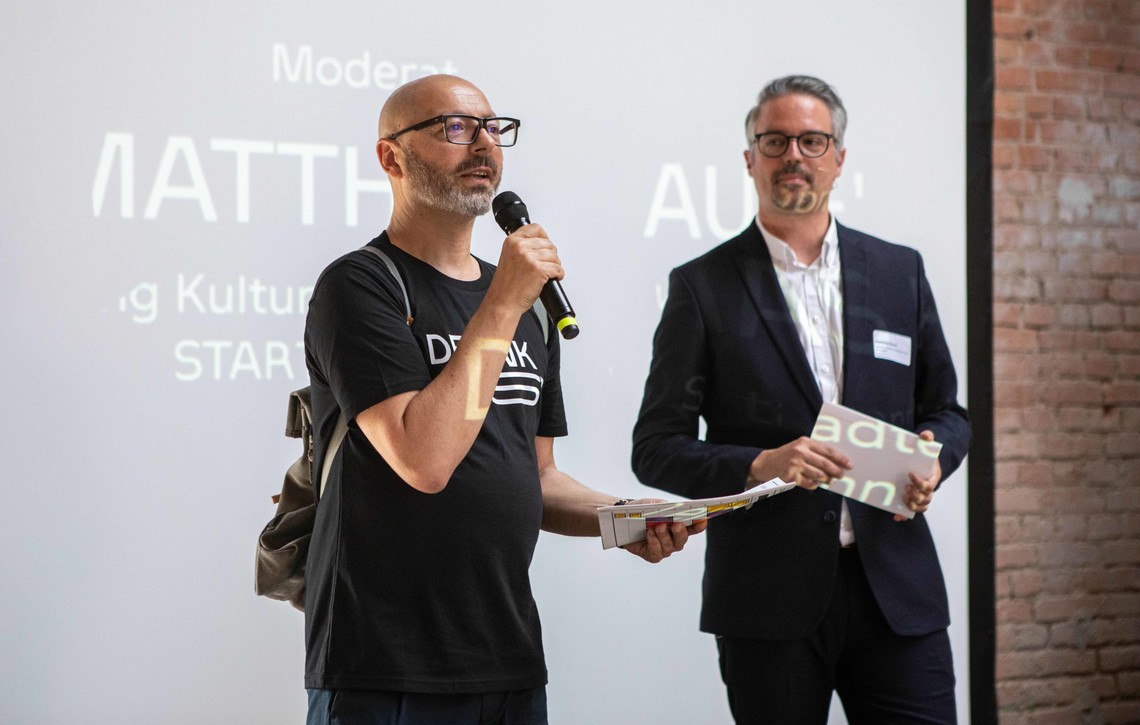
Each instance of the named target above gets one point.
<point>463,130</point>
<point>774,144</point>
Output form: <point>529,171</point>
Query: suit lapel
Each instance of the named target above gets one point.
<point>754,264</point>
<point>856,322</point>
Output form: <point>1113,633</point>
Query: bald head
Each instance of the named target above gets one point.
<point>425,97</point>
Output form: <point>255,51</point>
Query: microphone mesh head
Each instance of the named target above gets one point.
<point>510,211</point>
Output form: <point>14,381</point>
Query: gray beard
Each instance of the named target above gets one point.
<point>788,200</point>
<point>431,187</point>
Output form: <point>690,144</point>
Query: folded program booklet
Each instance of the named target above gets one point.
<point>881,457</point>
<point>626,524</point>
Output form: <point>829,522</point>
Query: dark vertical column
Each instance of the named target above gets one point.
<point>980,354</point>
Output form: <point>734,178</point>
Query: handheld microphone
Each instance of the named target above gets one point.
<point>510,213</point>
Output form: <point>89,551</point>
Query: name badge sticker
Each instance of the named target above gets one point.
<point>891,346</point>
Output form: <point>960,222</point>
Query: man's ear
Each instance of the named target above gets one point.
<point>390,157</point>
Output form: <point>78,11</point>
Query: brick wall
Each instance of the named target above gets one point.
<point>1067,359</point>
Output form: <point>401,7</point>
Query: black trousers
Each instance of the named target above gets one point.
<point>379,707</point>
<point>881,677</point>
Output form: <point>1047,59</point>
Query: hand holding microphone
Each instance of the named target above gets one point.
<point>511,214</point>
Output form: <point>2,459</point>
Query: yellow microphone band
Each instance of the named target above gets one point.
<point>565,321</point>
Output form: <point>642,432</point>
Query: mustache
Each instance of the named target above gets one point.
<point>793,167</point>
<point>478,163</point>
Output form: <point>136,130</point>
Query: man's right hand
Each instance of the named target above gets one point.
<point>528,260</point>
<point>804,462</point>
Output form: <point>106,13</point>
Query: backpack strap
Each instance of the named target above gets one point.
<point>543,320</point>
<point>395,275</point>
<point>341,428</point>
<point>339,432</point>
<point>539,310</point>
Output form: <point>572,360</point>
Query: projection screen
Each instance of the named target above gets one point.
<point>179,174</point>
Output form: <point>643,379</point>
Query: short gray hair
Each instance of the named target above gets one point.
<point>808,86</point>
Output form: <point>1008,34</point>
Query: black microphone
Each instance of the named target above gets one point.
<point>510,213</point>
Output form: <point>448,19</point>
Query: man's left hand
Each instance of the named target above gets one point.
<point>661,540</point>
<point>920,491</point>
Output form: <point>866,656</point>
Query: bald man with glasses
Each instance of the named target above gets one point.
<point>418,601</point>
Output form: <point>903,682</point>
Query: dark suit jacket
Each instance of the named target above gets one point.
<point>726,350</point>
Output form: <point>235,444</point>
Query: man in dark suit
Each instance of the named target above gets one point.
<point>807,592</point>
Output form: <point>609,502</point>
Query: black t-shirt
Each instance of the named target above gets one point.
<point>410,591</point>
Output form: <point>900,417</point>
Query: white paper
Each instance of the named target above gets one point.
<point>881,457</point>
<point>626,524</point>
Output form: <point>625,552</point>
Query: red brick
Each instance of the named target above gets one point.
<point>1119,84</point>
<point>1125,35</point>
<point>1038,106</point>
<point>1014,182</point>
<point>1001,587</point>
<point>1034,157</point>
<point>1107,316</point>
<point>1012,78</point>
<point>1008,129</point>
<point>1123,553</point>
<point>1106,109</point>
<point>1039,210</point>
<point>1072,132</point>
<point>1124,445</point>
<point>1132,318</point>
<point>1130,162</point>
<point>1070,55</point>
<point>1076,392</point>
<point>1124,500</point>
<point>1009,236</point>
<point>1037,316</point>
<point>1076,289</point>
<point>1025,583</point>
<point>1129,365</point>
<point>1057,340</point>
<point>1130,62</point>
<point>1105,59</point>
<point>1121,340</point>
<point>1070,107</point>
<point>1008,105</point>
<point>1015,394</point>
<point>1034,474</point>
<point>1013,611</point>
<point>1016,556</point>
<point>1124,291</point>
<point>1004,156</point>
<point>1022,636</point>
<point>1006,314</point>
<point>1084,32</point>
<point>1064,80</point>
<point>1123,712</point>
<point>1113,659</point>
<point>1057,609</point>
<point>1012,26</point>
<point>1010,446</point>
<point>1122,392</point>
<point>1104,264</point>
<point>1105,526</point>
<point>1007,50</point>
<point>1101,10</point>
<point>1007,419</point>
<point>1007,210</point>
<point>1006,340</point>
<point>1129,111</point>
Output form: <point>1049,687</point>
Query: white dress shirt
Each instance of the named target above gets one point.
<point>814,293</point>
